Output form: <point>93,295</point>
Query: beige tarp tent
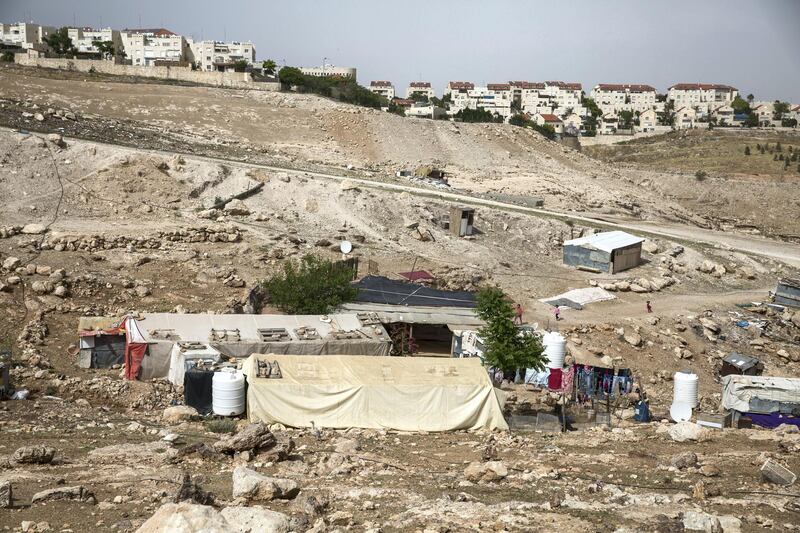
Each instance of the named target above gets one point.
<point>402,393</point>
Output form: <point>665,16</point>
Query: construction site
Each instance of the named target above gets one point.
<point>140,218</point>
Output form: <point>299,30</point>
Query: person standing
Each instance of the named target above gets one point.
<point>649,307</point>
<point>557,312</point>
<point>518,314</point>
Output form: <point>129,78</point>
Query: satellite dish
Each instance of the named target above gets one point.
<point>346,247</point>
<point>680,412</point>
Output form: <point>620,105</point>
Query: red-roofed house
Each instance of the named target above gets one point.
<point>551,120</point>
<point>685,118</point>
<point>383,88</point>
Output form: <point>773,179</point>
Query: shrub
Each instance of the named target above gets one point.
<point>221,425</point>
<point>700,175</point>
<point>7,57</point>
<point>746,150</point>
<point>312,286</point>
<point>240,65</point>
<point>504,347</point>
<point>778,147</point>
<point>478,115</point>
<point>340,88</point>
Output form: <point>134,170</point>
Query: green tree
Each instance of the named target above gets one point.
<point>397,109</point>
<point>240,65</point>
<point>750,98</point>
<point>626,118</point>
<point>291,76</point>
<point>312,286</point>
<point>746,150</point>
<point>7,57</point>
<point>269,67</point>
<point>667,117</point>
<point>418,96</point>
<point>779,109</point>
<point>106,48</point>
<point>60,42</point>
<point>520,120</point>
<point>478,115</point>
<point>504,346</point>
<point>740,106</point>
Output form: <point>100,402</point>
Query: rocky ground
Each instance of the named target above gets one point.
<point>126,199</point>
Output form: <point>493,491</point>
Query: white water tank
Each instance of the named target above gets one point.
<point>227,393</point>
<point>555,349</point>
<point>685,389</point>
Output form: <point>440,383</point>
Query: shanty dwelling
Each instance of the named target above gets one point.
<point>421,321</point>
<point>462,221</point>
<point>611,252</point>
<point>787,292</point>
<point>404,394</point>
<point>742,365</point>
<point>147,343</point>
<point>768,401</point>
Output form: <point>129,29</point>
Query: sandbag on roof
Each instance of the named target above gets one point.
<point>401,393</point>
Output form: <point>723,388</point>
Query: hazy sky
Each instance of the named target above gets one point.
<point>753,45</point>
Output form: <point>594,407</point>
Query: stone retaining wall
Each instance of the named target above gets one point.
<point>236,80</point>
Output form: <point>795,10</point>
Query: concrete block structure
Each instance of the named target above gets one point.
<point>611,252</point>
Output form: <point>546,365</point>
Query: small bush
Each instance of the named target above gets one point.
<point>778,147</point>
<point>221,425</point>
<point>746,150</point>
<point>311,286</point>
<point>700,175</point>
<point>7,57</point>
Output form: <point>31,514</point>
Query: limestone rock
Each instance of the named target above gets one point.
<point>37,454</point>
<point>684,460</point>
<point>185,518</point>
<point>348,185</point>
<point>77,493</point>
<point>57,139</point>
<point>237,208</point>
<point>710,325</point>
<point>256,518</point>
<point>179,413</point>
<point>33,229</point>
<point>251,485</point>
<point>254,437</point>
<point>634,339</point>
<point>10,263</point>
<point>650,247</point>
<point>698,521</point>
<point>687,431</point>
<point>486,472</point>
<point>6,496</point>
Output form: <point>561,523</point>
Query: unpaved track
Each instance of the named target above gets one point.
<point>788,253</point>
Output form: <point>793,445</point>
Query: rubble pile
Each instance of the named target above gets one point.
<point>93,243</point>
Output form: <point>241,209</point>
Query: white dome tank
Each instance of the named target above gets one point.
<point>227,393</point>
<point>555,349</point>
<point>685,389</point>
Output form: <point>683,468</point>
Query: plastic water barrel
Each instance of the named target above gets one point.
<point>685,389</point>
<point>227,393</point>
<point>555,349</point>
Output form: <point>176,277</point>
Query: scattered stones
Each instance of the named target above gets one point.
<point>634,339</point>
<point>11,263</point>
<point>6,495</point>
<point>698,521</point>
<point>236,208</point>
<point>251,485</point>
<point>684,460</point>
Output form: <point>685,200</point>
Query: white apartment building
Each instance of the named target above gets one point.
<point>25,35</point>
<point>219,56</point>
<point>613,98</point>
<point>494,98</point>
<point>329,71</point>
<point>422,88</point>
<point>703,96</point>
<point>383,88</point>
<point>531,97</point>
<point>551,120</point>
<point>565,97</point>
<point>83,39</point>
<point>145,46</point>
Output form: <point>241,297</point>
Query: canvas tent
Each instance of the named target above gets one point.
<point>155,335</point>
<point>761,394</point>
<point>405,394</point>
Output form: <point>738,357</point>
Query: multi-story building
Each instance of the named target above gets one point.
<point>701,96</point>
<point>648,120</point>
<point>25,35</point>
<point>565,97</point>
<point>494,98</point>
<point>329,71</point>
<point>611,97</point>
<point>531,97</point>
<point>421,88</point>
<point>425,110</point>
<point>83,39</point>
<point>146,46</point>
<point>219,56</point>
<point>383,88</point>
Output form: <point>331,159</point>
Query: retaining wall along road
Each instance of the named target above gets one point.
<point>237,80</point>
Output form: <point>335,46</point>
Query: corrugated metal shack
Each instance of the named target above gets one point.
<point>611,252</point>
<point>787,292</point>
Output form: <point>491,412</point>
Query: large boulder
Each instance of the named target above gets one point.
<point>10,263</point>
<point>252,519</point>
<point>179,413</point>
<point>236,207</point>
<point>634,339</point>
<point>37,454</point>
<point>698,521</point>
<point>185,518</point>
<point>254,437</point>
<point>77,493</point>
<point>486,472</point>
<point>683,460</point>
<point>251,485</point>
<point>33,229</point>
<point>687,431</point>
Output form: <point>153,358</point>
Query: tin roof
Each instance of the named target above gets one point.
<point>607,241</point>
